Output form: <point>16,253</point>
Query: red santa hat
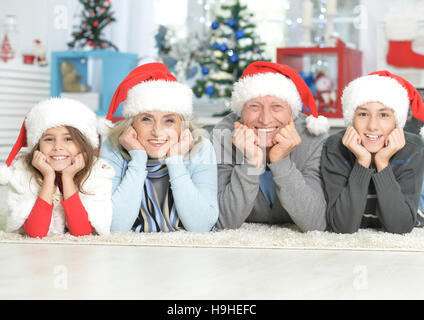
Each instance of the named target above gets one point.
<point>50,113</point>
<point>151,87</point>
<point>262,78</point>
<point>384,87</point>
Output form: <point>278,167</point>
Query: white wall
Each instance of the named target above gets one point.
<point>51,21</point>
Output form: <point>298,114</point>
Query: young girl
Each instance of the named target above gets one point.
<point>373,170</point>
<point>60,183</point>
<point>165,175</point>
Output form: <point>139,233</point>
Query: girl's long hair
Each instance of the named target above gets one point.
<point>85,148</point>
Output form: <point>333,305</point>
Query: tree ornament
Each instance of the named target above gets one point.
<point>95,16</point>
<point>231,22</point>
<point>214,25</point>
<point>239,34</point>
<point>209,90</point>
<point>205,70</point>
<point>6,51</point>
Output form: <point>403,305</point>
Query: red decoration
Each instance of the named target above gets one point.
<point>95,24</point>
<point>107,2</point>
<point>402,55</point>
<point>102,10</point>
<point>349,66</point>
<point>6,51</point>
<point>326,95</point>
<point>90,43</point>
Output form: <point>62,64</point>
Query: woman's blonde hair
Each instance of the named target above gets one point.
<point>197,131</point>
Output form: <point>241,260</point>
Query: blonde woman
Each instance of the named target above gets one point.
<point>165,174</point>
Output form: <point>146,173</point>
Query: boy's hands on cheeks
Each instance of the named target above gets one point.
<point>39,161</point>
<point>285,141</point>
<point>352,141</point>
<point>246,141</point>
<point>128,139</point>
<point>394,142</point>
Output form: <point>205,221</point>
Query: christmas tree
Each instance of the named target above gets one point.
<point>6,51</point>
<point>95,16</point>
<point>233,47</point>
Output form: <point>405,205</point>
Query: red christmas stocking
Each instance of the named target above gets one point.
<point>402,30</point>
<point>402,55</point>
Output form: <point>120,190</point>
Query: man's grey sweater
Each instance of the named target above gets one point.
<point>299,189</point>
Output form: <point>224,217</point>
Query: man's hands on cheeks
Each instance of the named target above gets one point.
<point>394,142</point>
<point>353,142</point>
<point>128,139</point>
<point>285,141</point>
<point>246,141</point>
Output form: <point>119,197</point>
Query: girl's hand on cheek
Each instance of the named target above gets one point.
<point>39,161</point>
<point>78,163</point>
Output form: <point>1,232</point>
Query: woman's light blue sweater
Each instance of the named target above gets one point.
<point>193,184</point>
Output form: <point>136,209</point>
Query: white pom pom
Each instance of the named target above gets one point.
<point>103,127</point>
<point>317,126</point>
<point>5,174</point>
<point>422,132</point>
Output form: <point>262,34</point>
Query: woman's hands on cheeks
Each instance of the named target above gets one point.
<point>128,139</point>
<point>181,145</point>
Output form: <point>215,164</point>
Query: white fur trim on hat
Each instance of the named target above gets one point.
<point>159,95</point>
<point>5,174</point>
<point>104,126</point>
<point>317,126</point>
<point>56,112</point>
<point>375,88</point>
<point>264,84</point>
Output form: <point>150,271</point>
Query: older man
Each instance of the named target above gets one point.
<point>269,153</point>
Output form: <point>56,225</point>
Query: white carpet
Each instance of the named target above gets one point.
<point>248,236</point>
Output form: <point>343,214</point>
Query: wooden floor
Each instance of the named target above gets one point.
<point>52,271</point>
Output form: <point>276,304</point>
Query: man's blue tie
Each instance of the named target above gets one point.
<point>267,185</point>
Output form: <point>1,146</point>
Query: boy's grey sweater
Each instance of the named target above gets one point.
<point>397,187</point>
<point>299,189</point>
